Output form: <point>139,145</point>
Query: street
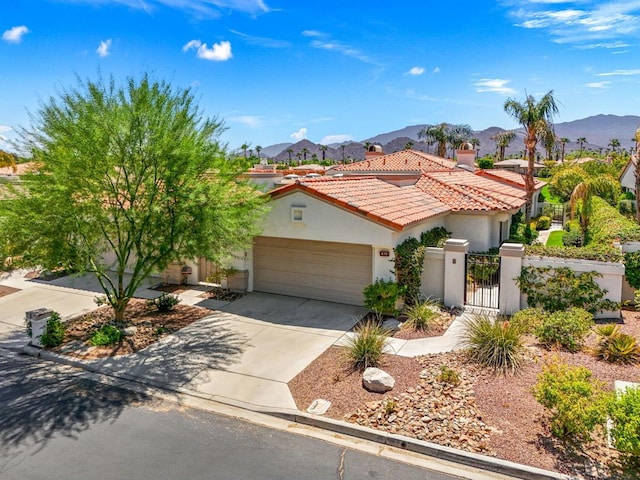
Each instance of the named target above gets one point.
<point>55,423</point>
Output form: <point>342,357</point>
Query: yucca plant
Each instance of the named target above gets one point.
<point>615,346</point>
<point>495,343</point>
<point>366,346</point>
<point>421,315</point>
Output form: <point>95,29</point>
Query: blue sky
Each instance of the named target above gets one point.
<point>327,70</point>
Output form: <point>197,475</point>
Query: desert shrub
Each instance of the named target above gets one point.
<point>448,375</point>
<point>624,411</point>
<point>382,296</point>
<point>543,223</point>
<point>566,329</point>
<point>632,268</point>
<point>420,316</point>
<point>615,346</point>
<point>528,319</point>
<point>576,402</point>
<point>54,333</point>
<point>555,289</point>
<point>365,347</point>
<point>106,335</point>
<point>165,302</point>
<point>494,343</point>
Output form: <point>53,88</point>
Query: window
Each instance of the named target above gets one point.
<point>297,213</point>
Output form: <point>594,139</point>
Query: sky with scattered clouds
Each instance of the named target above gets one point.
<point>330,71</point>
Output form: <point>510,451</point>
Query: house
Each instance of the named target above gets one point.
<point>518,165</point>
<point>327,238</point>
<point>628,176</point>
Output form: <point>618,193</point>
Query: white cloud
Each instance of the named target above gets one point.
<point>300,134</point>
<point>5,128</point>
<point>312,33</point>
<point>103,48</point>
<point>261,41</point>
<point>197,8</point>
<point>620,73</point>
<point>252,121</point>
<point>336,139</point>
<point>436,70</point>
<point>219,52</point>
<point>597,84</point>
<point>494,85</point>
<point>416,71</point>
<point>14,35</point>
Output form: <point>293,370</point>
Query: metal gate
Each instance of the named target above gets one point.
<point>482,274</point>
<point>557,213</point>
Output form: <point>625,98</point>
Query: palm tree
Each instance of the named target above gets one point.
<point>439,135</point>
<point>549,142</point>
<point>245,147</point>
<point>305,150</point>
<point>342,147</point>
<point>614,143</point>
<point>258,150</point>
<point>408,145</point>
<point>476,145</point>
<point>503,139</point>
<point>323,148</point>
<point>290,152</point>
<point>456,135</point>
<point>299,155</point>
<point>603,186</point>
<point>563,143</point>
<point>581,141</point>
<point>426,135</point>
<point>536,117</point>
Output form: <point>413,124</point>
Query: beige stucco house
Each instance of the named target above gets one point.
<point>327,238</point>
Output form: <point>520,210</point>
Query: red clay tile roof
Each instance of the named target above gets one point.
<point>380,201</point>
<point>462,190</point>
<point>402,161</point>
<point>509,177</point>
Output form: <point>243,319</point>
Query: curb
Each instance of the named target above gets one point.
<point>491,464</point>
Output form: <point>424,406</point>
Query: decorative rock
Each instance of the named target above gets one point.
<point>129,331</point>
<point>376,380</point>
<point>391,324</point>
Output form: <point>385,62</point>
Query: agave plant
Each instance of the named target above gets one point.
<point>615,346</point>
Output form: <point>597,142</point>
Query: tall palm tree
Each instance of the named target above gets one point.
<point>563,143</point>
<point>456,135</point>
<point>290,152</point>
<point>426,135</point>
<point>476,145</point>
<point>581,141</point>
<point>503,140</point>
<point>549,140</point>
<point>342,147</point>
<point>305,150</point>
<point>323,148</point>
<point>245,147</point>
<point>258,150</point>
<point>614,143</point>
<point>437,134</point>
<point>536,116</point>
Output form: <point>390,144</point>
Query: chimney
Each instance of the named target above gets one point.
<point>373,151</point>
<point>466,156</point>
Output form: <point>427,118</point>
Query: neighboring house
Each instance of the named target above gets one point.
<point>518,165</point>
<point>327,238</point>
<point>628,176</point>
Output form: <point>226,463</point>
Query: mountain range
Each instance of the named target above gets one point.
<point>598,130</point>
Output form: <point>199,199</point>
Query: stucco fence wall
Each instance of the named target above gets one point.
<point>443,276</point>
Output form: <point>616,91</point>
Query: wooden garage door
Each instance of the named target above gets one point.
<point>330,271</point>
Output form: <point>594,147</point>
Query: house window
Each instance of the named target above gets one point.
<point>297,213</point>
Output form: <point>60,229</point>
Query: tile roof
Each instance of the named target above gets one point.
<point>508,176</point>
<point>464,191</point>
<point>375,199</point>
<point>402,161</point>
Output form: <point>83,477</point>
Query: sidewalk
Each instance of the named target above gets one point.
<point>204,361</point>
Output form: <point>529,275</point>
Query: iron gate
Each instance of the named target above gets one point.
<point>557,212</point>
<point>482,273</point>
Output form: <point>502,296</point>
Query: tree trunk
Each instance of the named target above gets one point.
<point>529,185</point>
<point>119,308</point>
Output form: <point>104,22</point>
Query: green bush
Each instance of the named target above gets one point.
<point>165,302</point>
<point>566,329</point>
<point>448,375</point>
<point>485,163</point>
<point>528,319</point>
<point>573,236</point>
<point>494,343</point>
<point>598,253</point>
<point>624,411</point>
<point>436,237</point>
<point>54,333</point>
<point>608,225</point>
<point>632,268</point>
<point>576,402</point>
<point>382,296</point>
<point>408,265</point>
<point>106,335</point>
<point>565,180</point>
<point>421,315</point>
<point>543,223</point>
<point>615,346</point>
<point>626,207</point>
<point>560,288</point>
<point>365,347</point>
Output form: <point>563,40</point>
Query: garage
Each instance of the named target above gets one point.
<point>330,271</point>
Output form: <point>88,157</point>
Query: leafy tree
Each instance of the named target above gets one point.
<point>503,140</point>
<point>134,172</point>
<point>8,160</point>
<point>564,181</point>
<point>536,116</point>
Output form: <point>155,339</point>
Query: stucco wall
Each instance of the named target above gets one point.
<point>478,229</point>
<point>432,280</point>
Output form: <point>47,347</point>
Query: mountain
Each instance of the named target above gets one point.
<point>598,131</point>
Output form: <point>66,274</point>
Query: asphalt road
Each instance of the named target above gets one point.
<point>55,424</point>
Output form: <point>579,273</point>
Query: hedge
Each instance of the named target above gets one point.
<point>607,225</point>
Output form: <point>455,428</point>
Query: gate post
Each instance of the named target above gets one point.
<point>511,255</point>
<point>455,283</point>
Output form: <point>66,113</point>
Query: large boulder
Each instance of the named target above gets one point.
<point>376,380</point>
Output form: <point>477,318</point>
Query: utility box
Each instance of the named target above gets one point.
<point>38,319</point>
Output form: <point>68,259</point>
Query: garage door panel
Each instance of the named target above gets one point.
<point>321,270</point>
